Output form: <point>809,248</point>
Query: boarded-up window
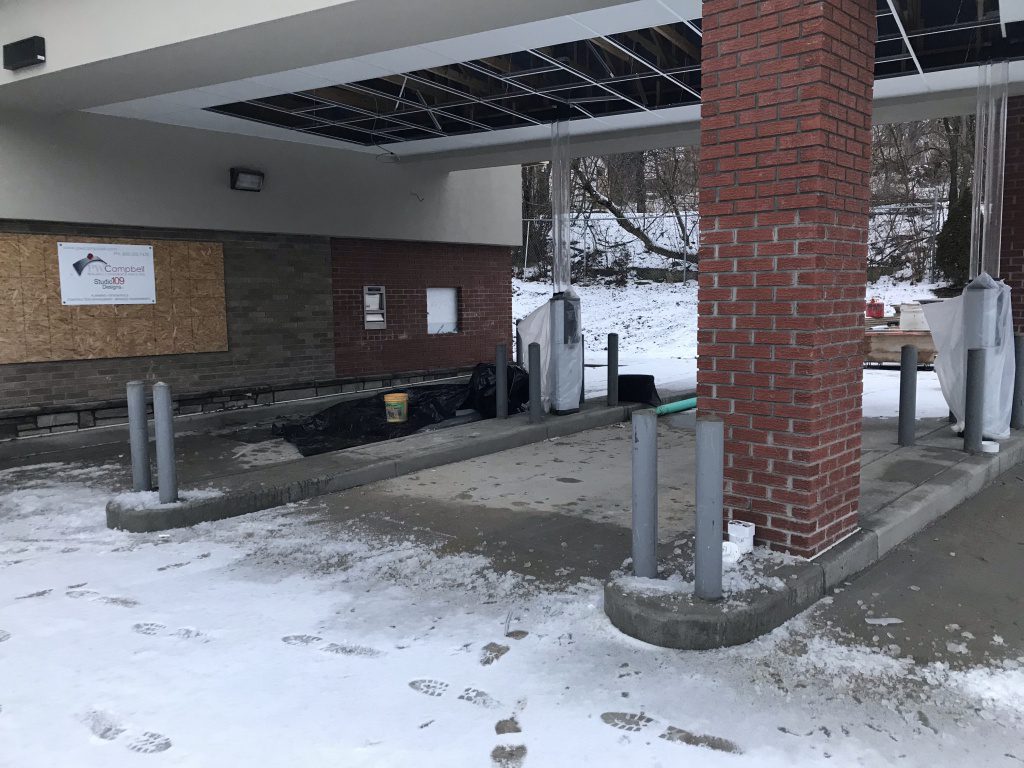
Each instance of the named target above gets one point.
<point>442,310</point>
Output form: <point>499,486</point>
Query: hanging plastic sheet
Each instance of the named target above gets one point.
<point>536,328</point>
<point>949,324</point>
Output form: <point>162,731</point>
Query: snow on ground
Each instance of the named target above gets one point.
<point>281,638</point>
<point>892,292</point>
<point>657,327</point>
<point>265,452</point>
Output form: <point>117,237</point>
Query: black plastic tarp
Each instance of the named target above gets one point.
<point>638,388</point>
<point>358,422</point>
<point>482,385</point>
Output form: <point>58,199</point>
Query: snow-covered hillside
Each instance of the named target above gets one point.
<point>652,319</point>
<point>897,234</point>
<point>657,327</point>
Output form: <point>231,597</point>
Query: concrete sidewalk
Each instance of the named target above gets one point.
<point>553,500</point>
<point>566,502</point>
<point>560,510</point>
<point>271,486</point>
<point>953,593</point>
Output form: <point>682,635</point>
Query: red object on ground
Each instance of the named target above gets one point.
<point>874,308</point>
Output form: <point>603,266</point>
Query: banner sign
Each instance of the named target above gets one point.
<point>106,273</point>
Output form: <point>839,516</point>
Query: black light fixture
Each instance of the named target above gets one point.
<point>246,180</point>
<point>24,53</point>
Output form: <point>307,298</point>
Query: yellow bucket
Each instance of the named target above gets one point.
<point>397,407</point>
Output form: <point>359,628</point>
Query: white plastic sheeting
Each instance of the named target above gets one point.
<point>947,322</point>
<point>536,328</point>
<point>989,162</point>
<point>561,204</point>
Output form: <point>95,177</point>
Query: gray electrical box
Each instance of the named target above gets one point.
<point>571,321</point>
<point>566,362</point>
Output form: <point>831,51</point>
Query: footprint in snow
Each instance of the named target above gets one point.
<point>636,722</point>
<point>438,688</point>
<point>105,726</point>
<point>40,593</point>
<point>511,723</point>
<point>504,756</point>
<point>89,594</point>
<point>339,649</point>
<point>153,629</point>
<point>4,635</point>
<point>491,653</point>
<point>169,566</point>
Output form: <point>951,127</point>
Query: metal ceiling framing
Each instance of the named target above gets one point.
<point>641,70</point>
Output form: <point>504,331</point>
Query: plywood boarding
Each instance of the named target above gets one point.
<point>189,314</point>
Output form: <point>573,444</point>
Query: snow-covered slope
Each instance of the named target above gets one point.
<point>657,327</point>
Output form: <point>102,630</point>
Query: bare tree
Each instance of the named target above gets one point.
<point>668,190</point>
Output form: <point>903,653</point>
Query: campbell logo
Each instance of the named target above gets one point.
<point>89,261</point>
<point>94,265</point>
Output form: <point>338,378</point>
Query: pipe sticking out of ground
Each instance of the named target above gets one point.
<point>677,407</point>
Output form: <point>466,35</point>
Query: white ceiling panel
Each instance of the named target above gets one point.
<point>686,10</point>
<point>509,40</point>
<point>626,17</point>
<point>404,59</point>
<point>293,80</point>
<point>1011,10</point>
<point>346,71</point>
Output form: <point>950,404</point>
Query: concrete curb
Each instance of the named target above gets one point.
<point>686,623</point>
<point>267,487</point>
<point>693,625</point>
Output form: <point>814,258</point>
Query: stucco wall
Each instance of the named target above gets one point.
<point>106,170</point>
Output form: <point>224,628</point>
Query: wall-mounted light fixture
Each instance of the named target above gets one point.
<point>24,53</point>
<point>246,180</point>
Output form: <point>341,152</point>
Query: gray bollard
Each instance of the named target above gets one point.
<point>709,490</point>
<point>908,395</point>
<point>501,381</point>
<point>975,400</point>
<point>613,369</point>
<point>645,494</point>
<point>583,367</point>
<point>536,406</point>
<point>138,437</point>
<point>1017,414</point>
<point>163,415</point>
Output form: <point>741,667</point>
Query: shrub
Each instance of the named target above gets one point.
<point>953,245</point>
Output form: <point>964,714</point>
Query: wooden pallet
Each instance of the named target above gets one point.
<point>884,346</point>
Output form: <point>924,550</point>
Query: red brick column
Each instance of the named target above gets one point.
<point>785,165</point>
<point>1012,255</point>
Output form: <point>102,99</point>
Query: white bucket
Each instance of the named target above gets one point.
<point>742,534</point>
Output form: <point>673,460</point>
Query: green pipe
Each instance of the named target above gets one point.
<point>677,406</point>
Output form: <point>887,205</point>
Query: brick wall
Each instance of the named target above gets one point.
<point>279,317</point>
<point>785,164</point>
<point>482,274</point>
<point>1012,256</point>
